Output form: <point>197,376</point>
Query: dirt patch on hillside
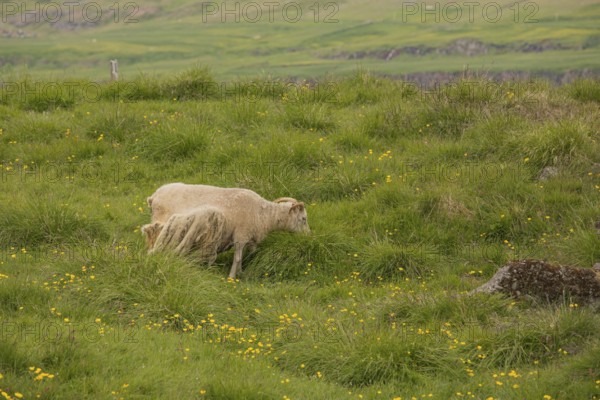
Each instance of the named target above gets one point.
<point>431,79</point>
<point>466,47</point>
<point>17,24</point>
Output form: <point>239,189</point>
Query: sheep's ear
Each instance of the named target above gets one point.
<point>285,199</point>
<point>299,206</point>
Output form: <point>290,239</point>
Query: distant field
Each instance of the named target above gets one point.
<point>305,39</point>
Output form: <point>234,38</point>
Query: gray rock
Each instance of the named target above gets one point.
<point>548,173</point>
<point>539,279</point>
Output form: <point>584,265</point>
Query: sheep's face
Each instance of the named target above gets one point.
<point>298,218</point>
<point>151,232</point>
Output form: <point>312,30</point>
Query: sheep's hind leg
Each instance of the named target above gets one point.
<point>237,260</point>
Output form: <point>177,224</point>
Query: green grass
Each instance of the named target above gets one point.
<point>414,198</point>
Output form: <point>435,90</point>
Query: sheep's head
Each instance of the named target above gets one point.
<point>151,232</point>
<point>298,218</point>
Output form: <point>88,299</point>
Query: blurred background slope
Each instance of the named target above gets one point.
<point>303,39</point>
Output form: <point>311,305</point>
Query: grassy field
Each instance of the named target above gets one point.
<point>414,198</point>
<point>308,39</point>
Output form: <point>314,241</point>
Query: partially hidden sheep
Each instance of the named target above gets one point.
<point>206,220</point>
<point>202,231</point>
<point>151,232</point>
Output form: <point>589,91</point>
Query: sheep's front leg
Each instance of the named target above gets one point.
<point>237,259</point>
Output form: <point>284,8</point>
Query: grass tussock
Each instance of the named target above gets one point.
<point>34,224</point>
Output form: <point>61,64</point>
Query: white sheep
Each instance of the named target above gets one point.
<point>208,220</point>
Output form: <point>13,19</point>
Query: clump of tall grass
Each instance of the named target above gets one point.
<point>560,144</point>
<point>34,223</point>
<point>165,285</point>
<point>383,259</point>
<point>585,90</point>
<point>40,96</point>
<point>320,254</point>
<point>167,142</point>
<point>313,117</point>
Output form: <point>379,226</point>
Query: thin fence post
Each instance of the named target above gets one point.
<point>114,70</point>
